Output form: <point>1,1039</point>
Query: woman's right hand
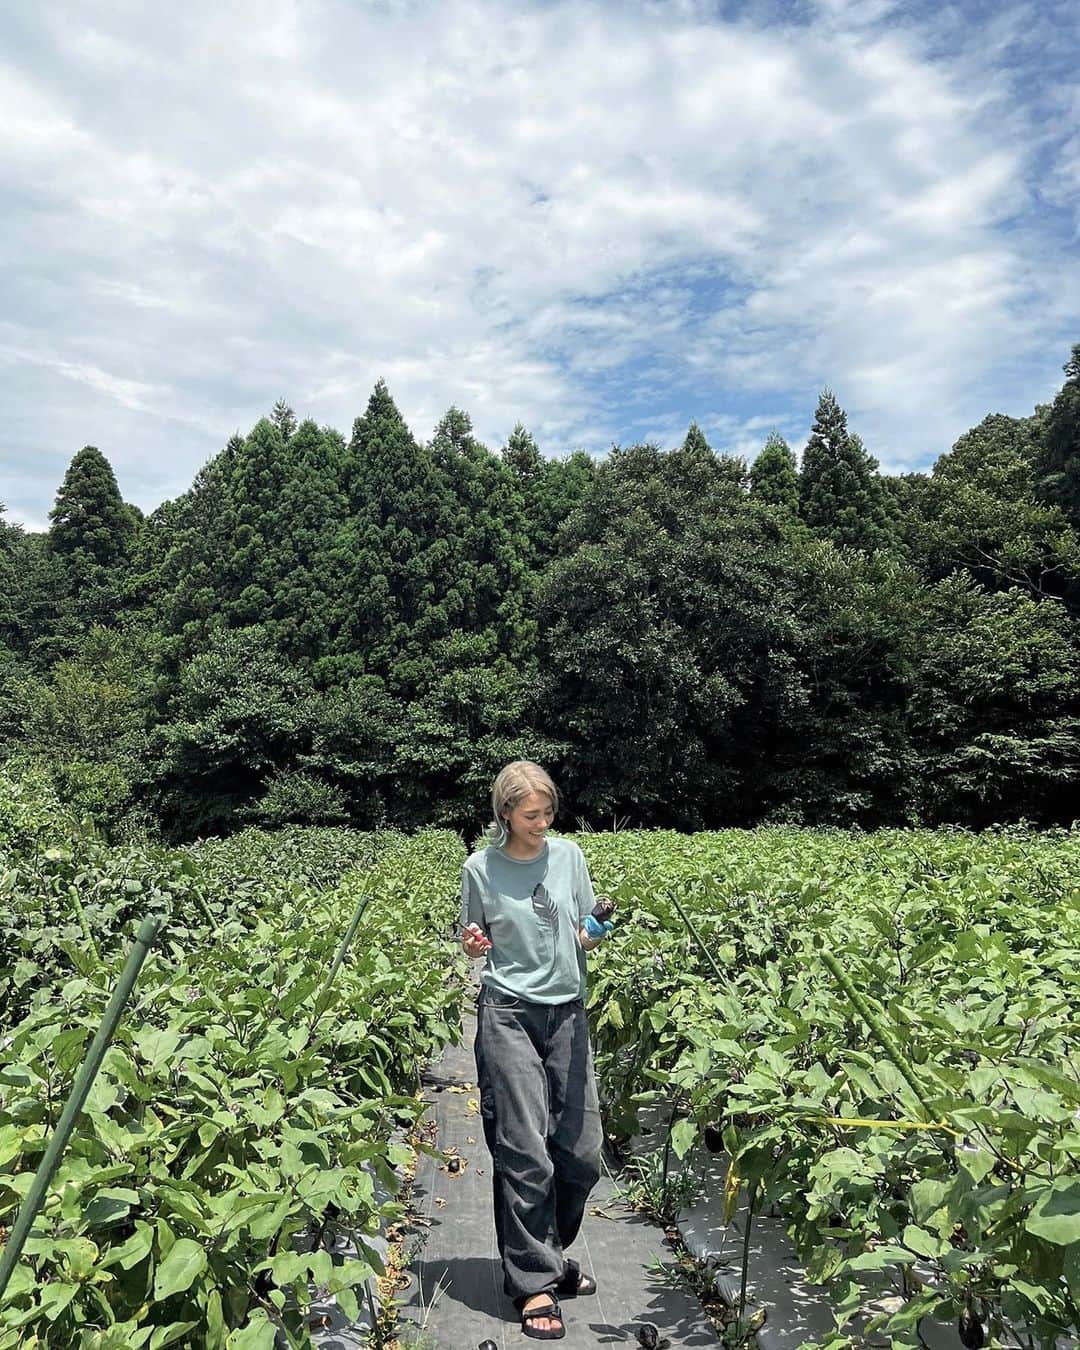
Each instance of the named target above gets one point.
<point>475,941</point>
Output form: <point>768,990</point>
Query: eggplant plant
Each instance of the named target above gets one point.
<point>882,1033</point>
<point>251,1104</point>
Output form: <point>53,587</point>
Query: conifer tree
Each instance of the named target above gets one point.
<point>523,457</point>
<point>654,642</point>
<point>486,533</point>
<point>90,543</point>
<point>32,601</point>
<point>567,485</point>
<point>774,477</point>
<point>184,541</point>
<point>695,443</point>
<point>313,511</point>
<point>223,563</point>
<point>8,583</point>
<point>551,490</point>
<point>91,526</point>
<point>394,541</point>
<point>250,562</point>
<point>254,541</point>
<point>839,490</point>
<point>284,419</point>
<point>1059,463</point>
<point>692,468</point>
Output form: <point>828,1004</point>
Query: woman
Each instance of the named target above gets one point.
<point>526,903</point>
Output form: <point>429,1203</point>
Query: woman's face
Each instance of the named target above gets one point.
<point>530,820</point>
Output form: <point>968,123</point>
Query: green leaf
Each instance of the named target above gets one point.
<point>108,1208</point>
<point>259,1334</point>
<point>266,1223</point>
<point>215,1321</point>
<point>1056,1214</point>
<point>288,1266</point>
<point>185,1262</point>
<point>1050,1076</point>
<point>169,1335</point>
<point>81,1256</point>
<point>683,1134</point>
<point>919,1240</point>
<point>1040,1299</point>
<point>158,1047</point>
<point>11,1140</point>
<point>24,970</point>
<point>55,1299</point>
<point>131,1252</point>
<point>823,1264</point>
<point>349,1304</point>
<point>321,1266</point>
<point>912,1312</point>
<point>21,1282</point>
<point>399,1155</point>
<point>928,1197</point>
<point>880,1257</point>
<point>1072,1271</point>
<point>978,1163</point>
<point>166,1237</point>
<point>68,1047</point>
<point>351,1273</point>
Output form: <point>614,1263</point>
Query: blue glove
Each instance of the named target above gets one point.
<point>595,929</point>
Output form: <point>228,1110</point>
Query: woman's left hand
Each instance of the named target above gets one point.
<point>597,925</point>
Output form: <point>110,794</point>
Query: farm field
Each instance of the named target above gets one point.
<point>247,1109</point>
<point>879,1030</point>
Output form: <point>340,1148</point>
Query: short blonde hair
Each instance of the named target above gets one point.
<point>512,785</point>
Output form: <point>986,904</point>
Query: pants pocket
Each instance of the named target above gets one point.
<point>495,998</point>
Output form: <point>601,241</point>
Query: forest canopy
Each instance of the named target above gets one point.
<point>326,629</point>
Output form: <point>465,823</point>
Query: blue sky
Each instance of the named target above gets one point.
<point>601,219</point>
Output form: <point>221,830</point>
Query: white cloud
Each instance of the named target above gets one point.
<point>599,219</point>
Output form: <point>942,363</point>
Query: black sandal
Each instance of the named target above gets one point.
<point>552,1313</point>
<point>575,1282</point>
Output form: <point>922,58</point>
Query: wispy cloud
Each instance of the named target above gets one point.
<point>601,219</point>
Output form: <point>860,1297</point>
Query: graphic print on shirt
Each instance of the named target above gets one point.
<point>547,916</point>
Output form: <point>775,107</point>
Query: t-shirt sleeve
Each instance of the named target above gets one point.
<point>583,888</point>
<point>472,906</point>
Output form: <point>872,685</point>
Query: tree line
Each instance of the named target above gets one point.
<point>361,630</point>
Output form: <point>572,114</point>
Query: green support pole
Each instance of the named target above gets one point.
<point>84,1081</point>
<point>882,1034</point>
<point>697,938</point>
<point>343,947</point>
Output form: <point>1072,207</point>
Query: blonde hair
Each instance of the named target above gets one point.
<point>512,785</point>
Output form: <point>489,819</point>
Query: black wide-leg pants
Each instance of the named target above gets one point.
<point>542,1124</point>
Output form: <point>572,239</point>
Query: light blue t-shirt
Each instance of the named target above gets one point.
<point>531,911</point>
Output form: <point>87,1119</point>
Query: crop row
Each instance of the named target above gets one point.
<point>882,1032</point>
<point>249,1109</point>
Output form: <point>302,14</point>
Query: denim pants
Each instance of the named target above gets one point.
<point>542,1125</point>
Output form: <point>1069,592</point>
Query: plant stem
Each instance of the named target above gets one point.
<point>751,1197</point>
<point>376,1328</point>
<point>667,1159</point>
